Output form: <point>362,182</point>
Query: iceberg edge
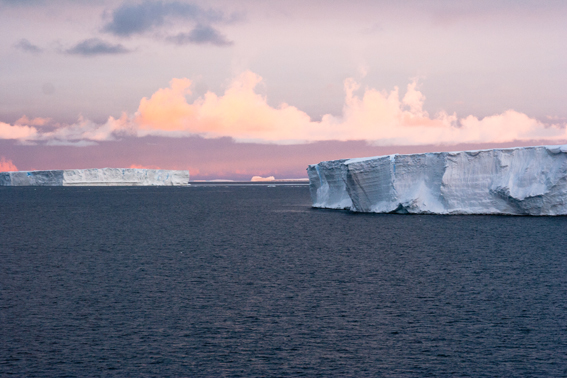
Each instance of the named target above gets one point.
<point>96,177</point>
<point>511,181</point>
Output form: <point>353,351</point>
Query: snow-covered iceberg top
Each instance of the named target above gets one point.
<point>516,181</point>
<point>96,177</point>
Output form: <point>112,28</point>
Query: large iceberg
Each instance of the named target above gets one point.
<point>96,177</point>
<point>515,181</point>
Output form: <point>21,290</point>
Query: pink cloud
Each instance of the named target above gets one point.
<point>240,113</point>
<point>380,117</point>
<point>38,121</point>
<point>167,109</point>
<point>7,165</point>
<point>16,132</point>
<point>383,118</point>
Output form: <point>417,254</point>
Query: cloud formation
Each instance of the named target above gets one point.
<point>152,15</point>
<point>240,113</point>
<point>96,46</point>
<point>201,34</point>
<point>130,19</point>
<point>382,118</point>
<point>38,121</point>
<point>85,130</point>
<point>7,165</point>
<point>25,45</point>
<point>20,132</point>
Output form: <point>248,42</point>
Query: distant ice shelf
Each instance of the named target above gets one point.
<point>96,177</point>
<point>514,181</point>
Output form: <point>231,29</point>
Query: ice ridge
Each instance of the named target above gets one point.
<point>96,177</point>
<point>514,181</point>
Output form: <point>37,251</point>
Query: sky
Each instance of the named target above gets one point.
<point>235,89</point>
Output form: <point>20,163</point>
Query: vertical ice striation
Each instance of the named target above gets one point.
<point>519,181</point>
<point>96,177</point>
<point>327,186</point>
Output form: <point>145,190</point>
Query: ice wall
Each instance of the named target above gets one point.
<point>96,177</point>
<point>327,185</point>
<point>516,181</point>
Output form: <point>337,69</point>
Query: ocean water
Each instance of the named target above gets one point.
<point>251,281</point>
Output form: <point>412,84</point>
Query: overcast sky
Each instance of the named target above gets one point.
<point>352,76</point>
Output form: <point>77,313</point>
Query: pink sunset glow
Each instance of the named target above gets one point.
<point>379,77</point>
<point>383,118</point>
<point>7,165</point>
<point>139,166</point>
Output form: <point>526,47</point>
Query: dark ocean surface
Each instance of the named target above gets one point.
<point>251,281</point>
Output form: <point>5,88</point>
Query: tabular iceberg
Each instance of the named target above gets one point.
<point>515,181</point>
<point>96,177</point>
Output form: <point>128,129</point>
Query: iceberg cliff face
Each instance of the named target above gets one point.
<point>327,185</point>
<point>96,177</point>
<point>515,181</point>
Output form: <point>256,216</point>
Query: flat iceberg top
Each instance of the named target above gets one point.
<point>516,181</point>
<point>96,177</point>
<point>551,148</point>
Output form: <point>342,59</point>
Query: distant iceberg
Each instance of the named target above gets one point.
<point>260,178</point>
<point>96,177</point>
<point>515,181</point>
